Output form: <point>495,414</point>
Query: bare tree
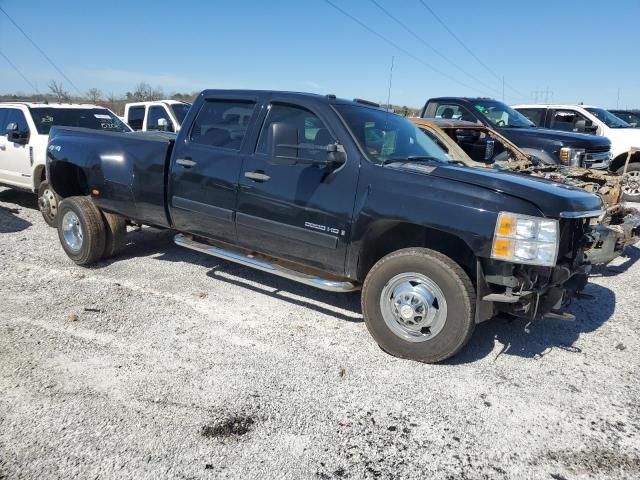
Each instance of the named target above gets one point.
<point>145,92</point>
<point>58,91</point>
<point>94,95</point>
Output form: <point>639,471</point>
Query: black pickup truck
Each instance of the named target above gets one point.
<point>549,146</point>
<point>339,195</point>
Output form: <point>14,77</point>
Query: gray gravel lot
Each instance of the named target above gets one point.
<point>164,363</point>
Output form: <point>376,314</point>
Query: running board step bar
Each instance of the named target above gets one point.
<point>243,259</point>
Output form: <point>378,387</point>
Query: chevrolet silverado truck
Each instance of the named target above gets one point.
<point>599,123</point>
<point>24,133</point>
<point>339,195</point>
<point>479,146</point>
<point>550,146</point>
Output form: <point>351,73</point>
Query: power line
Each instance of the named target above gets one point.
<point>41,51</point>
<point>19,72</point>
<point>430,47</point>
<point>452,33</point>
<point>398,47</point>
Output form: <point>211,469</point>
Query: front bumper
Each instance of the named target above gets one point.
<point>616,229</point>
<point>526,290</point>
<point>597,161</point>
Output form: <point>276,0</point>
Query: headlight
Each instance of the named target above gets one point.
<point>571,156</point>
<point>525,239</point>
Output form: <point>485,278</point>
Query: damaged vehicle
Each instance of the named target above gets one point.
<point>340,195</point>
<point>481,147</point>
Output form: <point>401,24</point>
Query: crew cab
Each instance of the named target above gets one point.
<point>599,123</point>
<point>163,115</point>
<point>552,147</point>
<point>24,132</point>
<point>339,195</point>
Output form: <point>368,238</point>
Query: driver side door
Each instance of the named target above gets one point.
<point>298,212</point>
<point>15,158</point>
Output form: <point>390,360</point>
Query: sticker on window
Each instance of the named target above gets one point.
<point>46,119</point>
<point>102,116</point>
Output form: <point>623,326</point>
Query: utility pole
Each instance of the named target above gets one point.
<point>389,92</point>
<point>544,94</point>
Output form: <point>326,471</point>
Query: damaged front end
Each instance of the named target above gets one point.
<point>612,232</point>
<point>532,291</point>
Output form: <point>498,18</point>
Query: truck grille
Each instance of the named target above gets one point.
<point>600,149</point>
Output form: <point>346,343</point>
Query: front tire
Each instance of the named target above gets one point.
<point>81,230</point>
<point>631,187</point>
<point>48,202</point>
<point>419,304</point>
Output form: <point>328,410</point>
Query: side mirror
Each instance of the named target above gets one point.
<point>163,124</point>
<point>16,136</point>
<point>583,127</point>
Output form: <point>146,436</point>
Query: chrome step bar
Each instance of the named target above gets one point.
<point>237,257</point>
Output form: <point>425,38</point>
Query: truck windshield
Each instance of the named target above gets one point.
<point>608,118</point>
<point>180,111</point>
<point>501,115</point>
<point>386,137</point>
<point>96,118</point>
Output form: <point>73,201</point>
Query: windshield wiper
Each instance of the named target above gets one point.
<point>410,158</point>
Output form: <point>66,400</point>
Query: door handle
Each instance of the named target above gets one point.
<point>257,176</point>
<point>186,162</point>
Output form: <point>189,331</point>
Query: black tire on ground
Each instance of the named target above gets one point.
<point>90,235</point>
<point>631,193</point>
<point>453,283</point>
<point>48,202</point>
<point>116,234</point>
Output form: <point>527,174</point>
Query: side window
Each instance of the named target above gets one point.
<point>567,120</point>
<point>3,122</point>
<point>311,130</point>
<point>16,116</point>
<point>135,117</point>
<point>454,112</point>
<point>536,115</point>
<point>222,123</point>
<point>156,113</point>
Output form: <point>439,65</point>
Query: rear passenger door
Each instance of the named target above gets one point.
<point>298,212</point>
<point>206,166</point>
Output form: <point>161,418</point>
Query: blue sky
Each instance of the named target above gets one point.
<point>581,50</point>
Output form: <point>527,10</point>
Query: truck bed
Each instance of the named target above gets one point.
<point>128,170</point>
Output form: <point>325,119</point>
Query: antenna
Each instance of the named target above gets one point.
<point>389,92</point>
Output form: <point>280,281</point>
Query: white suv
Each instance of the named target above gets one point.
<point>597,121</point>
<point>166,115</point>
<point>24,133</point>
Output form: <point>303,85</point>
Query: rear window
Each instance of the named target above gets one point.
<point>95,118</point>
<point>180,111</point>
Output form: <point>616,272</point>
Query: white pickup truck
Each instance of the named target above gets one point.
<point>597,121</point>
<point>165,115</point>
<point>24,133</point>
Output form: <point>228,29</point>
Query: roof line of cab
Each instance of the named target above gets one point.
<point>315,96</point>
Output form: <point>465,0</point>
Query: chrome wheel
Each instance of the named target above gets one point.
<point>72,231</point>
<point>631,185</point>
<point>413,307</point>
<point>48,204</point>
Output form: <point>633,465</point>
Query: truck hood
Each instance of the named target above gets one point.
<point>624,137</point>
<point>569,139</point>
<point>553,199</point>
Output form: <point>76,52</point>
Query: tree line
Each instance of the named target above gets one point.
<point>142,92</point>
